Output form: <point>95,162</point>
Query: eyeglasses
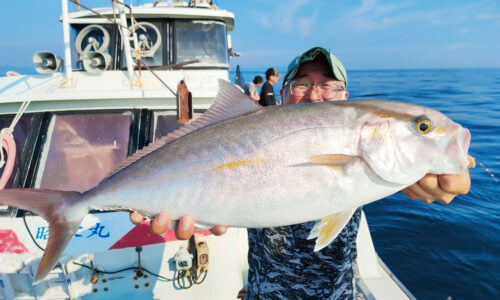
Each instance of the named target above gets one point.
<point>326,90</point>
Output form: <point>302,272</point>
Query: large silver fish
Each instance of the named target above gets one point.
<point>246,166</point>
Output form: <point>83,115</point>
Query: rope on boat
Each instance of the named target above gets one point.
<point>6,134</point>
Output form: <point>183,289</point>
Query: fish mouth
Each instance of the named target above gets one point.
<point>457,150</point>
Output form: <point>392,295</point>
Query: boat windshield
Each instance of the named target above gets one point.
<point>204,40</point>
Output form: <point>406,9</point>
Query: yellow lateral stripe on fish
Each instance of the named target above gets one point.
<point>239,164</point>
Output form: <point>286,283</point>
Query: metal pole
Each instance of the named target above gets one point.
<point>134,34</point>
<point>67,50</point>
<point>126,44</point>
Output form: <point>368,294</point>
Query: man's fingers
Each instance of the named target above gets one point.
<point>442,188</point>
<point>136,218</point>
<point>219,230</point>
<point>458,184</point>
<point>472,161</point>
<point>185,228</point>
<point>159,225</point>
<point>415,192</point>
<point>430,185</point>
<point>408,192</point>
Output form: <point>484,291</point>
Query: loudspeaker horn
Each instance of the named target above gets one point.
<point>96,62</point>
<point>46,62</point>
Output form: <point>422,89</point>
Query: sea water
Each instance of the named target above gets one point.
<point>439,250</point>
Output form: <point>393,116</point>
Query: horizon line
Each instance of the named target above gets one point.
<point>262,69</point>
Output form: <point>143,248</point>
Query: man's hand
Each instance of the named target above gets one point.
<point>442,188</point>
<point>185,227</point>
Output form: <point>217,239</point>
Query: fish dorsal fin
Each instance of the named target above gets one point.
<point>230,102</point>
<point>328,228</point>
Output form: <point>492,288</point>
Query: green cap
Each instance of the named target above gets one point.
<point>334,63</point>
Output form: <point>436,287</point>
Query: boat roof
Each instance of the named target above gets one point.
<point>108,90</point>
<point>161,11</point>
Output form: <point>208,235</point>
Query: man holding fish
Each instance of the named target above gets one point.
<point>244,165</point>
<point>282,260</point>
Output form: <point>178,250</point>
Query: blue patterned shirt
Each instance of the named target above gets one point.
<point>283,264</point>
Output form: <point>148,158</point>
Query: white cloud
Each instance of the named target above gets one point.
<point>366,6</point>
<point>306,24</point>
<point>265,21</point>
<point>372,15</point>
<point>287,15</point>
<point>287,18</point>
<point>489,16</point>
<point>464,31</point>
<point>260,18</point>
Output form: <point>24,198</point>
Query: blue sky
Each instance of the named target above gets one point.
<point>364,34</point>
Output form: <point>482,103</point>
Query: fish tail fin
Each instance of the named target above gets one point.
<point>53,206</point>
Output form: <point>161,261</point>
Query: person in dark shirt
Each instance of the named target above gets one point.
<point>267,91</point>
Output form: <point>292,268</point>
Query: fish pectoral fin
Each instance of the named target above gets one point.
<point>329,228</point>
<point>334,161</point>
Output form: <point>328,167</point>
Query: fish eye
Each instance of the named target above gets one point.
<point>423,126</point>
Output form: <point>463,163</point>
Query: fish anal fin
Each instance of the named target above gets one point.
<point>200,226</point>
<point>314,231</point>
<point>330,227</point>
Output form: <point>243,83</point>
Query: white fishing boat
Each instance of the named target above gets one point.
<point>121,85</point>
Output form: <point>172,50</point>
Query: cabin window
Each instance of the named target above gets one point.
<point>166,122</point>
<point>80,149</point>
<point>199,39</point>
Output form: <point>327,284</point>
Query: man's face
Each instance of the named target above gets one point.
<point>273,79</point>
<point>313,72</point>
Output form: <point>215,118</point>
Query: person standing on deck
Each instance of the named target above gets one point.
<point>267,92</point>
<point>251,88</point>
<point>282,263</point>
